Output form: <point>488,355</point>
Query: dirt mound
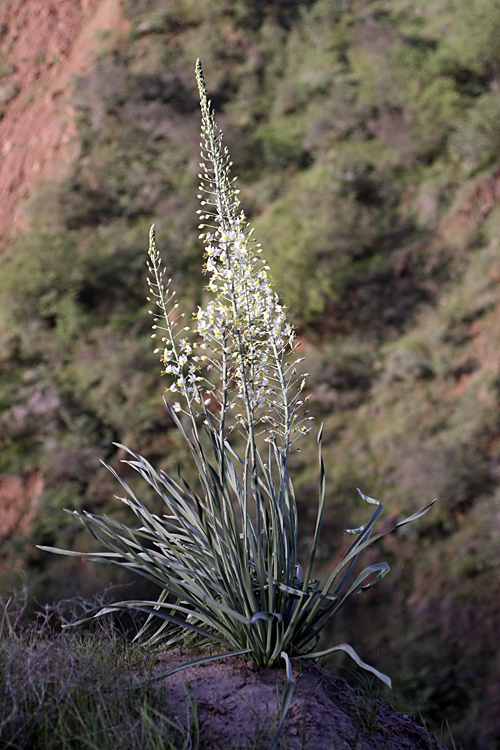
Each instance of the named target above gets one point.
<point>43,43</point>
<point>236,705</point>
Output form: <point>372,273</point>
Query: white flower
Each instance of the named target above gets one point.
<point>176,407</point>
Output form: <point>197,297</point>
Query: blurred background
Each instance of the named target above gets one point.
<point>366,136</point>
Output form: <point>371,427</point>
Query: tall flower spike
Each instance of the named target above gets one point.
<point>175,352</point>
<point>244,325</point>
<point>241,373</point>
<point>221,194</point>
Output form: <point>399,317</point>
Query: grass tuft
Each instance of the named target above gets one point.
<point>67,689</point>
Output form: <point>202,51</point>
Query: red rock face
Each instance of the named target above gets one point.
<point>43,43</point>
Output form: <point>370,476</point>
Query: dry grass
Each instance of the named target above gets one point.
<point>69,689</point>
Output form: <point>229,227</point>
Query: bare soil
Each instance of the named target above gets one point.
<point>18,500</point>
<point>237,704</point>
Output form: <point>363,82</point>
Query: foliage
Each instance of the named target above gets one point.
<point>475,140</point>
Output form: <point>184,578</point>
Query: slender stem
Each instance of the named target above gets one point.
<point>155,267</point>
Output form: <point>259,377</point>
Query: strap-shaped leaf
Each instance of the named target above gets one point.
<point>352,653</point>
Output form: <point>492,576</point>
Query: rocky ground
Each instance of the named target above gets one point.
<point>236,704</point>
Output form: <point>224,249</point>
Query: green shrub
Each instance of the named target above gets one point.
<point>476,139</point>
<point>471,40</point>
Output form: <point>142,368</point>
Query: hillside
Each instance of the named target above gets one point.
<point>365,136</point>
